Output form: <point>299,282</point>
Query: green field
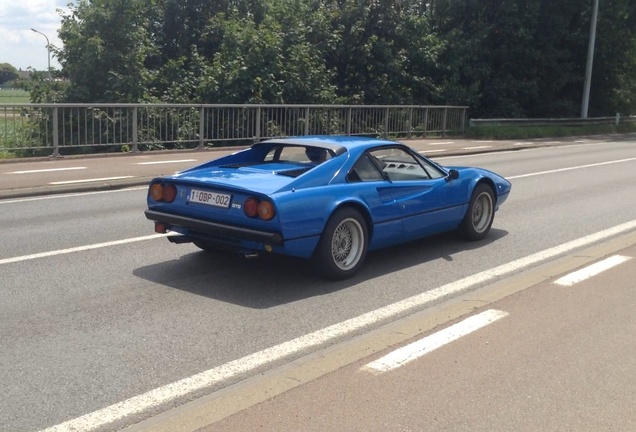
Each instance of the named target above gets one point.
<point>9,96</point>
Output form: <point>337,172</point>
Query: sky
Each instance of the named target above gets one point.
<point>21,47</point>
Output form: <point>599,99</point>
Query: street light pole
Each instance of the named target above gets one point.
<point>590,59</point>
<point>48,48</point>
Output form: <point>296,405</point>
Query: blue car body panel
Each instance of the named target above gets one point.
<point>305,195</point>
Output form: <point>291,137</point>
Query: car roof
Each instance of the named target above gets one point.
<point>337,143</point>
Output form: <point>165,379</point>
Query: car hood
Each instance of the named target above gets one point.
<point>245,178</point>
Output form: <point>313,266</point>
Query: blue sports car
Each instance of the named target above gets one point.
<point>327,198</point>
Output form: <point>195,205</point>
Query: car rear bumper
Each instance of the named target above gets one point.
<point>215,228</point>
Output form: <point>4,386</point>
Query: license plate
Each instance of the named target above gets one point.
<point>210,198</point>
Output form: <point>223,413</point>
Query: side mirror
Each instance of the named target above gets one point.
<point>453,175</point>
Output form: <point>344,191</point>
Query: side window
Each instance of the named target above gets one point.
<point>400,165</point>
<point>365,170</point>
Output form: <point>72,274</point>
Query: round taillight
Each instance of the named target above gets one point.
<point>266,210</point>
<point>156,191</point>
<point>250,207</point>
<point>169,193</point>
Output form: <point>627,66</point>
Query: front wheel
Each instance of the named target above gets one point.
<point>343,245</point>
<point>480,213</point>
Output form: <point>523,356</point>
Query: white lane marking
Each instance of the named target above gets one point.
<point>415,350</point>
<point>484,141</point>
<point>533,149</point>
<point>48,170</point>
<point>180,388</point>
<point>77,194</point>
<point>167,162</point>
<point>442,143</point>
<point>571,168</point>
<point>432,151</point>
<point>78,249</point>
<point>476,147</point>
<point>90,180</point>
<point>591,270</point>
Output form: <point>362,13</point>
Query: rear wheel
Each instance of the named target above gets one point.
<point>480,213</point>
<point>343,245</point>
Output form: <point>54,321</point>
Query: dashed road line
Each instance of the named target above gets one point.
<point>47,170</point>
<point>167,162</point>
<point>591,270</point>
<point>90,180</point>
<point>476,147</point>
<point>415,350</point>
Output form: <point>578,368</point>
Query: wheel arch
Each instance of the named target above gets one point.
<point>362,209</point>
<point>490,183</point>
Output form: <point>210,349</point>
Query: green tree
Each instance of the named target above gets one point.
<point>106,44</point>
<point>273,60</point>
<point>613,88</point>
<point>382,51</point>
<point>8,73</point>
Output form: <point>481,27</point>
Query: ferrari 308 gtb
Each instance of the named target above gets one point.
<point>330,199</point>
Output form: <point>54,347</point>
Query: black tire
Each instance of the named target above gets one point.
<point>343,245</point>
<point>480,213</point>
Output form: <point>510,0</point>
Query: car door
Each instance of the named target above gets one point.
<point>428,200</point>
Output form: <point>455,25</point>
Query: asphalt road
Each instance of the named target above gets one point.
<point>559,358</point>
<point>98,311</point>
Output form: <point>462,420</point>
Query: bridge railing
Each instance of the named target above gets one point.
<point>56,129</point>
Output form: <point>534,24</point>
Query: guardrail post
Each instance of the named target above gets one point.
<point>201,127</point>
<point>444,122</point>
<point>135,127</point>
<point>463,121</point>
<point>348,121</point>
<point>410,125</point>
<point>257,126</point>
<point>386,123</point>
<point>56,138</point>
<point>618,118</point>
<point>306,131</point>
<point>425,122</point>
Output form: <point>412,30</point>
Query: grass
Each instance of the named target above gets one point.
<point>526,132</point>
<point>11,96</point>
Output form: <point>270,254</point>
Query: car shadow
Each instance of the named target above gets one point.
<point>272,280</point>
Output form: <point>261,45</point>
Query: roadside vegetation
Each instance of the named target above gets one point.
<point>11,96</point>
<point>512,59</point>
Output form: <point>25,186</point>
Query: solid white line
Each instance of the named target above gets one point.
<point>570,168</point>
<point>591,270</point>
<point>78,249</point>
<point>167,162</point>
<point>89,180</point>
<point>442,143</point>
<point>415,350</point>
<point>48,170</point>
<point>250,362</point>
<point>432,151</point>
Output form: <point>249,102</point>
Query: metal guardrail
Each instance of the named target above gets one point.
<point>53,129</point>
<point>553,122</point>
